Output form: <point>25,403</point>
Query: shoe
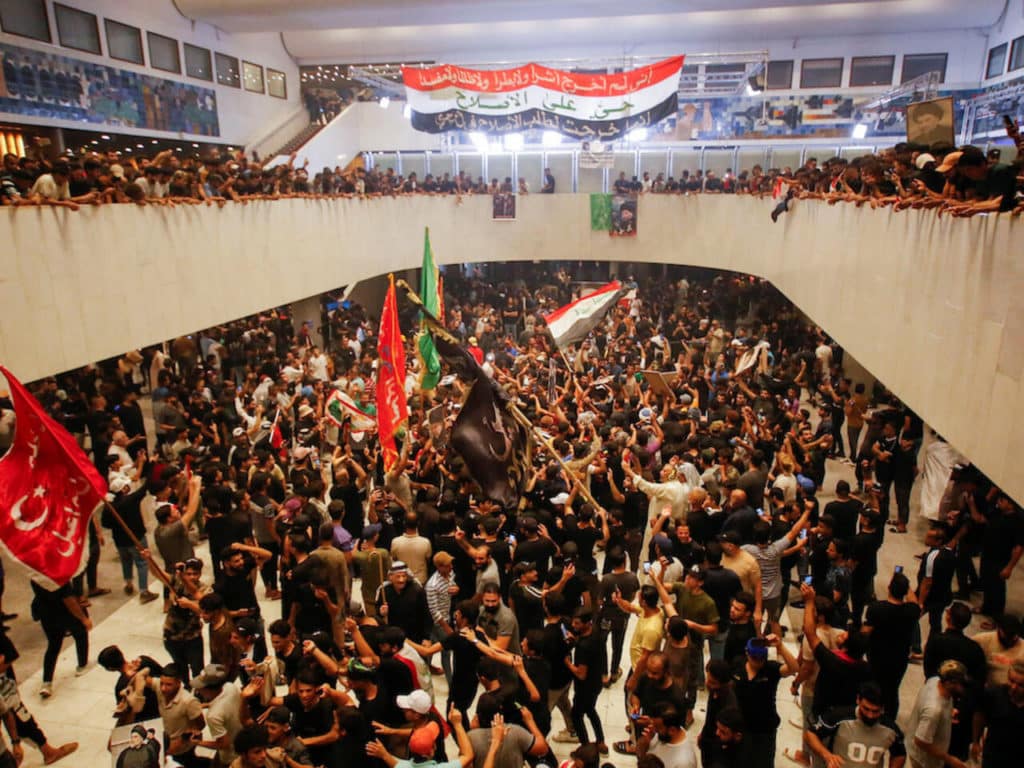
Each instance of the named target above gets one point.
<point>147,597</point>
<point>46,691</point>
<point>616,675</point>
<point>98,592</point>
<point>602,748</point>
<point>51,755</point>
<point>565,737</point>
<point>797,604</point>
<point>129,588</point>
<point>79,671</point>
<point>624,748</point>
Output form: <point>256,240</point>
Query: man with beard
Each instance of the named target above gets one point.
<point>856,736</point>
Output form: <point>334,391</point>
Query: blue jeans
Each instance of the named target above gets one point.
<point>716,643</point>
<point>128,556</point>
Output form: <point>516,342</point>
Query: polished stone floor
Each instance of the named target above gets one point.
<point>81,707</point>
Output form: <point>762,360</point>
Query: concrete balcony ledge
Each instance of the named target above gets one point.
<point>929,305</point>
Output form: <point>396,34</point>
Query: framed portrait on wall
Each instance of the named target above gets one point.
<point>252,77</point>
<point>931,122</point>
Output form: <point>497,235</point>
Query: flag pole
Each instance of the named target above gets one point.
<point>516,414</point>
<point>159,572</point>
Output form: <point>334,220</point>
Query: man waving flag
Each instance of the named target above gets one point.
<point>48,492</point>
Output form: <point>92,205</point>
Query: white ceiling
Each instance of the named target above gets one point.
<point>397,30</point>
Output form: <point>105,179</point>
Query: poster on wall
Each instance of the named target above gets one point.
<point>596,156</point>
<point>37,84</point>
<point>503,206</point>
<point>624,218</point>
<point>931,122</point>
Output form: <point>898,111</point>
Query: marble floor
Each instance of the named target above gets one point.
<point>80,708</point>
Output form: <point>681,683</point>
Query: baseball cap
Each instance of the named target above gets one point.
<point>952,671</point>
<point>119,483</point>
<point>663,543</point>
<point>949,162</point>
<point>397,566</point>
<point>756,648</point>
<point>696,571</point>
<point>418,701</point>
<point>212,675</point>
<point>238,432</point>
<point>247,628</point>
<point>117,171</point>
<point>561,498</point>
<point>371,530</point>
<point>421,743</point>
<point>730,537</point>
<point>301,452</point>
<point>923,159</point>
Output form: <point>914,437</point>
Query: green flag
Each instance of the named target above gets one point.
<point>429,360</point>
<point>600,212</point>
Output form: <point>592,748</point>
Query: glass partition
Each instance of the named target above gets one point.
<point>530,166</point>
<point>719,160</point>
<point>560,164</point>
<point>499,166</point>
<point>385,160</point>
<point>471,164</point>
<point>654,161</point>
<point>414,162</point>
<point>685,160</point>
<point>624,162</point>
<point>785,157</point>
<point>440,164</point>
<point>748,157</point>
<point>590,180</point>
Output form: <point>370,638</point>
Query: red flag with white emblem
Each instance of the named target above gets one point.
<point>48,492</point>
<point>392,408</point>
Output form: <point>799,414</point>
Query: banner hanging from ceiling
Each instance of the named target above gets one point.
<point>582,105</point>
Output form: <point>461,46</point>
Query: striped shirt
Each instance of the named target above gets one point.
<point>769,559</point>
<point>439,599</point>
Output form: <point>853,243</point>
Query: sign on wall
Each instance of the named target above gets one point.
<point>578,104</point>
<point>38,84</point>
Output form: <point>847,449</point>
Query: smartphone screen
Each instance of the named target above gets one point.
<point>809,581</point>
<point>899,569</point>
<point>803,533</point>
<point>647,567</point>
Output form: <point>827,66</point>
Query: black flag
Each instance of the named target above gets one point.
<point>494,446</point>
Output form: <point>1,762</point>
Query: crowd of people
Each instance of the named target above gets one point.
<point>961,181</point>
<point>663,538</point>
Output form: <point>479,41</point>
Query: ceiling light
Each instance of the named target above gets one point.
<point>479,140</point>
<point>195,145</point>
<point>141,146</point>
<point>407,111</point>
<point>94,141</point>
<point>514,142</point>
<point>384,102</point>
<point>105,137</point>
<point>127,149</point>
<point>637,134</point>
<point>341,157</point>
<point>860,130</point>
<point>551,138</point>
<point>154,141</point>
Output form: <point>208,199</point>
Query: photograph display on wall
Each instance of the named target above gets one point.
<point>931,122</point>
<point>252,77</point>
<point>40,84</point>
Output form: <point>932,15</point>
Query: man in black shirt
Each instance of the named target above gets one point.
<point>1001,549</point>
<point>864,552</point>
<point>890,626</point>
<point>588,666</point>
<point>237,585</point>
<point>402,602</point>
<point>1001,720</point>
<point>935,577</point>
<point>136,701</point>
<point>844,511</point>
<point>755,684</point>
<point>313,719</point>
<point>614,619</point>
<point>718,680</point>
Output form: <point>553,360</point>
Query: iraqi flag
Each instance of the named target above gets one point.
<point>574,321</point>
<point>586,106</point>
<point>340,406</point>
<point>48,493</point>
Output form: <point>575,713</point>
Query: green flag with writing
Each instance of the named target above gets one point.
<point>430,363</point>
<point>600,212</point>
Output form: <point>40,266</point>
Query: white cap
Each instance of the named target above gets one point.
<point>923,159</point>
<point>418,701</point>
<point>561,498</point>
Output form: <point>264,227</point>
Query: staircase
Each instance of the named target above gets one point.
<point>297,141</point>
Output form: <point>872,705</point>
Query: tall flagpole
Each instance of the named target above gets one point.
<point>513,409</point>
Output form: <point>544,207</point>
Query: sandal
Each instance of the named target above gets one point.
<point>624,747</point>
<point>794,757</point>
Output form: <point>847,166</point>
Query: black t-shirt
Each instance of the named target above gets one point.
<point>839,677</point>
<point>1005,722</point>
<point>382,708</point>
<point>539,551</point>
<point>651,694</point>
<point>845,514</point>
<point>150,707</point>
<point>721,584</point>
<point>592,652</point>
<point>528,607</point>
<point>225,530</point>
<point>1000,180</point>
<point>736,641</point>
<point>586,539</point>
<point>555,651</point>
<point>316,721</point>
<point>892,633</point>
<point>352,497</point>
<point>238,589</point>
<point>756,696</point>
<point>465,658</point>
<point>1002,534</point>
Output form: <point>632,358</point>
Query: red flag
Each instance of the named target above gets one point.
<point>392,408</point>
<point>48,492</point>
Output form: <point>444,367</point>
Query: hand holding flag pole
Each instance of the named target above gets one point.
<point>521,418</point>
<point>159,572</point>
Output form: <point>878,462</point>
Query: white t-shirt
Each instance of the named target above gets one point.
<point>47,186</point>
<point>681,755</point>
<point>318,367</point>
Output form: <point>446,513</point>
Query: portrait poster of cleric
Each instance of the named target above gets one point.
<point>931,122</point>
<point>503,207</point>
<point>624,219</point>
